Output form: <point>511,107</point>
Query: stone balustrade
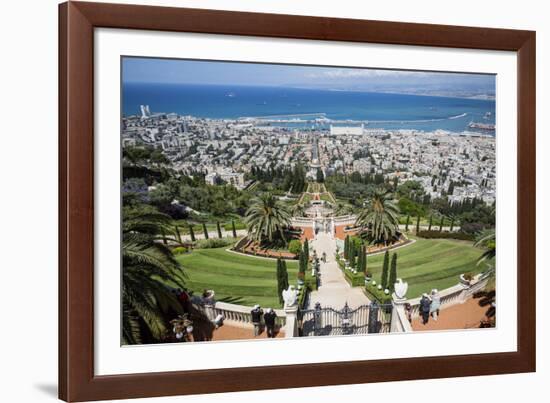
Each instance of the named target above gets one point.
<point>236,314</point>
<point>457,294</point>
<point>399,320</point>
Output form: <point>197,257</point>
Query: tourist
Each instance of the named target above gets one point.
<point>436,304</point>
<point>408,312</point>
<point>269,318</point>
<point>256,314</point>
<point>324,257</point>
<point>425,308</point>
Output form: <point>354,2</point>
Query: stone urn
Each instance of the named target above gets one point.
<point>401,289</point>
<point>465,281</point>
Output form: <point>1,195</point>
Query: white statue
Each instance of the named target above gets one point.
<point>401,288</point>
<point>290,296</point>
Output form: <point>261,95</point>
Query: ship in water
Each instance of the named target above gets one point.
<point>482,126</point>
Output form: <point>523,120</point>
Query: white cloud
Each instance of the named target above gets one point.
<point>351,73</point>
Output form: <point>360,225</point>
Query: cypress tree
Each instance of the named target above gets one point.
<point>282,278</point>
<point>452,223</point>
<point>417,225</point>
<point>234,229</point>
<point>359,260</point>
<point>306,250</point>
<point>302,263</point>
<point>352,261</point>
<point>393,272</point>
<point>285,274</point>
<point>441,224</point>
<point>204,230</point>
<point>192,233</point>
<point>385,268</point>
<point>164,240</point>
<point>430,225</point>
<point>219,228</point>
<point>362,259</point>
<point>407,224</point>
<point>346,247</point>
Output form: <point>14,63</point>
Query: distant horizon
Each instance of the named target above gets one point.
<point>137,70</point>
<point>489,97</point>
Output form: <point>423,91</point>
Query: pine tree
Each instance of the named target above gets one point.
<point>417,225</point>
<point>218,227</point>
<point>192,233</point>
<point>204,230</point>
<point>393,272</point>
<point>407,224</point>
<point>385,268</point>
<point>234,229</point>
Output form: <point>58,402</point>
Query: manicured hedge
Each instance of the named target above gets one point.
<point>446,235</point>
<point>375,294</point>
<point>354,279</point>
<point>214,243</point>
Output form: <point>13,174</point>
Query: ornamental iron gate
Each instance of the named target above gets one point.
<point>327,321</point>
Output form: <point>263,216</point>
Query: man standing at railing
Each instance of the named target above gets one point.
<point>424,308</point>
<point>269,318</point>
<point>256,314</point>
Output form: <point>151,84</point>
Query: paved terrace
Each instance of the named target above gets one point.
<point>334,290</point>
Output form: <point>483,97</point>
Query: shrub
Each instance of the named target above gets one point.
<point>446,235</point>
<point>378,295</point>
<point>179,250</point>
<point>215,243</point>
<point>295,246</point>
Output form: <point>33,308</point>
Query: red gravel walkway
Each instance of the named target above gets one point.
<point>462,316</point>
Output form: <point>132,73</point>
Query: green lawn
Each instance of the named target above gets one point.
<point>431,263</point>
<point>247,280</point>
<point>244,280</point>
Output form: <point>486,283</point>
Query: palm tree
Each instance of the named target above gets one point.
<point>488,241</point>
<point>343,209</point>
<point>298,210</point>
<point>380,216</point>
<point>487,297</point>
<point>147,266</point>
<point>266,217</point>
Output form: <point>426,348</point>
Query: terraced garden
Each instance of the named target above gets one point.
<point>431,263</point>
<point>238,279</point>
<point>248,280</point>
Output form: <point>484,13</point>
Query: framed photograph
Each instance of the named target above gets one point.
<point>256,201</point>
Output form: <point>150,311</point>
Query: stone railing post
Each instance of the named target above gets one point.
<point>399,320</point>
<point>210,311</point>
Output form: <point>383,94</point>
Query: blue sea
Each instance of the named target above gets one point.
<point>381,110</point>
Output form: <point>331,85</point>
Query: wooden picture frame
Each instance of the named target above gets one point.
<point>77,21</point>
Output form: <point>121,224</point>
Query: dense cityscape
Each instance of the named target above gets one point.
<point>460,167</point>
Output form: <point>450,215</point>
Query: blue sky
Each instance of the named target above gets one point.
<point>179,71</point>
